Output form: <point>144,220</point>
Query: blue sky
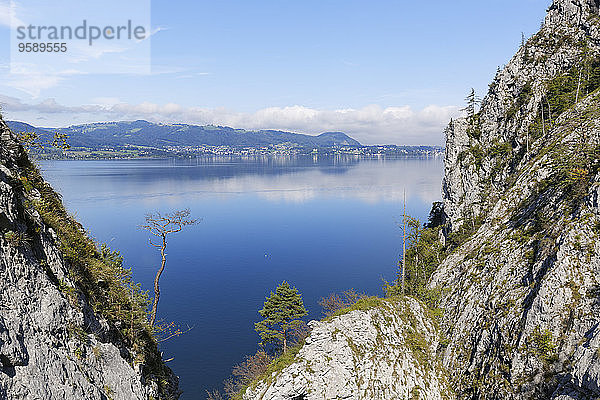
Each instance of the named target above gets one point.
<point>382,71</point>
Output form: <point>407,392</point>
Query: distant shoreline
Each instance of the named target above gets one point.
<point>131,153</point>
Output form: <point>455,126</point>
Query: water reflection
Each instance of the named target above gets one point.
<point>273,179</point>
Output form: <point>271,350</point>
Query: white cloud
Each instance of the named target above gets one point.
<point>369,125</point>
<point>5,11</point>
<point>192,75</point>
<point>83,52</point>
<point>8,14</point>
<point>33,84</point>
<point>106,101</point>
<point>24,77</point>
<point>154,31</point>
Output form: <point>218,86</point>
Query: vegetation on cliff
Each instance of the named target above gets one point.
<point>96,277</point>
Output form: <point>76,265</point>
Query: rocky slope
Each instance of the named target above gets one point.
<point>56,339</point>
<point>386,352</point>
<point>476,153</point>
<point>521,304</point>
<point>520,274</point>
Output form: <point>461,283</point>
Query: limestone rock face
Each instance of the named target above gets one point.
<point>52,346</point>
<point>521,303</point>
<point>516,96</point>
<point>387,352</point>
<point>522,307</point>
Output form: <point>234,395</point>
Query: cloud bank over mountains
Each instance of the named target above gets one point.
<point>372,124</point>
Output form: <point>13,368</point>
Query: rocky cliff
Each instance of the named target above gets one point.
<point>521,304</point>
<point>72,324</point>
<point>519,276</point>
<point>383,352</point>
<point>485,154</point>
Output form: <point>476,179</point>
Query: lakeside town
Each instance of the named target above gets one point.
<point>285,149</point>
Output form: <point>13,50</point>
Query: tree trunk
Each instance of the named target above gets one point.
<point>284,341</point>
<point>132,316</point>
<point>404,242</point>
<point>417,268</point>
<point>578,87</point>
<point>156,279</point>
<point>543,120</point>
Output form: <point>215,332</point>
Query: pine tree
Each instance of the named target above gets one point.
<point>472,101</point>
<point>525,48</point>
<point>281,312</point>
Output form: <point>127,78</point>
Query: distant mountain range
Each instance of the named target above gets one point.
<point>144,133</point>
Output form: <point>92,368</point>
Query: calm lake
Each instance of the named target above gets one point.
<point>322,224</point>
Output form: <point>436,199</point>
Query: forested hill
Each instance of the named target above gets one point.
<point>143,133</point>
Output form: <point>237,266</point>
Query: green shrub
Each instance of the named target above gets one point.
<point>13,238</point>
<point>541,343</point>
<point>478,155</point>
<point>501,149</point>
<point>474,126</point>
<point>365,303</point>
<point>564,90</point>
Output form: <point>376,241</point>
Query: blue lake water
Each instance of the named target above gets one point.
<point>322,224</point>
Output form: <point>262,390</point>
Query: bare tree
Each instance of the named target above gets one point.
<point>214,395</point>
<point>335,302</point>
<point>161,226</point>
<point>244,373</point>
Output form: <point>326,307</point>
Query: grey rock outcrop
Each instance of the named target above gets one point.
<point>516,96</point>
<point>522,307</point>
<point>387,352</point>
<point>52,344</point>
